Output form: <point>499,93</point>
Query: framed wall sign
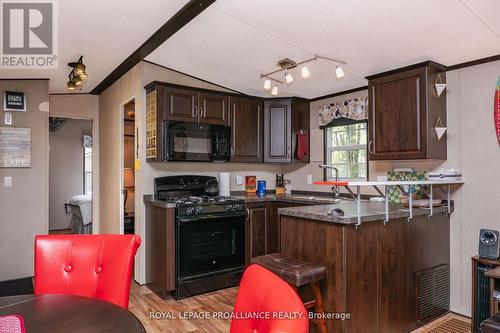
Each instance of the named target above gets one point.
<point>15,147</point>
<point>14,101</point>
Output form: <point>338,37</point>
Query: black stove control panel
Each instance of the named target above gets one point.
<point>226,208</point>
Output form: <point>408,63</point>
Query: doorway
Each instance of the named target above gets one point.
<point>70,175</point>
<point>128,181</point>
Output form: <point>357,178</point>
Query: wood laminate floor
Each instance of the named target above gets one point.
<point>147,306</point>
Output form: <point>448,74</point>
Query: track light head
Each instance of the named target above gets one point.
<point>288,78</point>
<point>274,91</point>
<point>267,83</point>
<point>339,72</point>
<point>79,69</point>
<point>77,80</point>
<point>304,71</point>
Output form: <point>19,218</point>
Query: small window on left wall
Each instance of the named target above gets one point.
<point>87,164</point>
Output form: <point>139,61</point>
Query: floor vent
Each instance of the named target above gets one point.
<point>452,325</point>
<point>433,292</point>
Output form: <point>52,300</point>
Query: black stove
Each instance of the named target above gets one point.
<point>210,234</point>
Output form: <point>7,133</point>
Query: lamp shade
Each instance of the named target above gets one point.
<point>128,177</point>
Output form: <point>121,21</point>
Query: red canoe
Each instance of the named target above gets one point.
<point>497,111</point>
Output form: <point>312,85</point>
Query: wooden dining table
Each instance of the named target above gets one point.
<point>65,313</point>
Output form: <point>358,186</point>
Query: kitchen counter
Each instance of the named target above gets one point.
<point>149,199</point>
<point>293,198</point>
<point>370,211</point>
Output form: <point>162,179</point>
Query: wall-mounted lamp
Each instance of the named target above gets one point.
<point>439,86</point>
<point>440,129</point>
<point>77,74</point>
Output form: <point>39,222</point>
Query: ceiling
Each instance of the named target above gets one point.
<point>233,41</point>
<point>104,32</point>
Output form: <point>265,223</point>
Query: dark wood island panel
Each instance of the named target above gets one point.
<point>160,250</point>
<point>371,270</point>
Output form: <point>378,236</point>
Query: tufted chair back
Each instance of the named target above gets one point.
<point>98,266</point>
<point>264,293</point>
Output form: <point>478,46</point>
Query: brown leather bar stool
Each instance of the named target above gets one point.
<point>298,273</point>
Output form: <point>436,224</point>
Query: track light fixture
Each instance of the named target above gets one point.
<point>77,74</point>
<point>285,65</point>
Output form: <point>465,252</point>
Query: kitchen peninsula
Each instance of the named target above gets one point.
<point>390,276</point>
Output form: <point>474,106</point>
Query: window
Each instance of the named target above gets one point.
<point>87,177</point>
<point>345,149</point>
<point>87,164</point>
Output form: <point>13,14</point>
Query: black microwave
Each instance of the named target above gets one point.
<point>196,142</point>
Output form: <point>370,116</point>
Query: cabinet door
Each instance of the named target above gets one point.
<point>180,104</point>
<point>258,220</point>
<point>246,117</point>
<point>397,118</point>
<point>213,108</point>
<point>277,131</point>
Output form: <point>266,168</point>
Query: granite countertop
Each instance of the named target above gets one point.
<point>293,198</point>
<point>150,200</point>
<point>370,211</point>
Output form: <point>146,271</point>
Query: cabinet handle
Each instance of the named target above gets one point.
<point>232,152</point>
<point>248,214</point>
<point>288,152</point>
<point>195,112</point>
<point>204,112</point>
<point>370,145</point>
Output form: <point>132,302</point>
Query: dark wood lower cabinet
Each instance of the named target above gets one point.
<point>257,229</point>
<point>160,249</point>
<point>263,227</point>
<point>370,270</point>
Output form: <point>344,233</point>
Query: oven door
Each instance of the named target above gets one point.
<point>208,244</point>
<point>187,141</point>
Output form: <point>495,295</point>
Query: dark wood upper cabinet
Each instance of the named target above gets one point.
<point>247,116</point>
<point>261,130</point>
<point>403,111</point>
<point>213,108</point>
<point>180,104</point>
<point>283,120</point>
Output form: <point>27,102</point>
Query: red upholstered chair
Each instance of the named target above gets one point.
<point>261,291</point>
<point>98,266</point>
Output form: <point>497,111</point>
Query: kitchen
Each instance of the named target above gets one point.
<point>282,219</point>
<point>353,162</point>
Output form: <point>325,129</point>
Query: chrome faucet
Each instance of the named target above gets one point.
<point>335,189</point>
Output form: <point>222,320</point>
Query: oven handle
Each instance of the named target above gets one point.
<point>210,217</point>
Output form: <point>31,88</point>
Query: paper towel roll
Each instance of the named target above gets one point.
<point>224,184</point>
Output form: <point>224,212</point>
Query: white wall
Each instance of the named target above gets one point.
<point>66,169</point>
<point>473,148</point>
<point>24,206</point>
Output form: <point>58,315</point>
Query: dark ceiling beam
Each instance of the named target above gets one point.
<point>187,13</point>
